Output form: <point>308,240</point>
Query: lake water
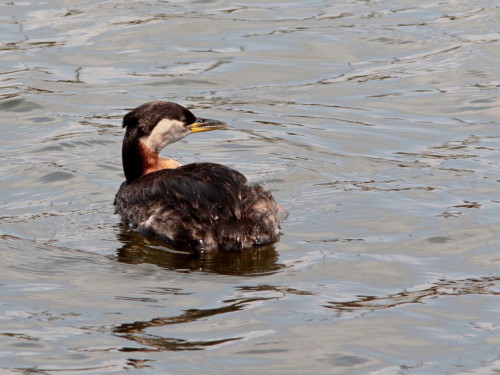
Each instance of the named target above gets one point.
<point>374,123</point>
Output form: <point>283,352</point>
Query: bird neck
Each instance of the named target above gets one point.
<point>138,160</point>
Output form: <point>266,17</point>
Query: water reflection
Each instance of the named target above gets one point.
<point>159,343</point>
<point>375,122</point>
<point>135,331</point>
<point>139,249</point>
<point>364,304</point>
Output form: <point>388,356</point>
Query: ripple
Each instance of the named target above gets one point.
<point>373,122</point>
<point>417,294</point>
<point>19,105</point>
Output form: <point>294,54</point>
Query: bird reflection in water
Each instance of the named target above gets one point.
<point>138,249</point>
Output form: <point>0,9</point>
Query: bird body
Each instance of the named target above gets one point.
<point>198,206</point>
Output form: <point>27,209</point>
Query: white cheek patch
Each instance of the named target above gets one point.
<point>165,132</point>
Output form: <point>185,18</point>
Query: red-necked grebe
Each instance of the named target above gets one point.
<point>198,206</point>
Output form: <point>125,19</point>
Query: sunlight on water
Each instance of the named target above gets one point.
<point>373,123</point>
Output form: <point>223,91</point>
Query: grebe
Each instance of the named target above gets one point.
<point>198,206</point>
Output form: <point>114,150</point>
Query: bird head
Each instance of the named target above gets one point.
<point>160,123</point>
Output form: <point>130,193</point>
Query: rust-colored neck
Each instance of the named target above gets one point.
<point>152,162</point>
<point>138,160</point>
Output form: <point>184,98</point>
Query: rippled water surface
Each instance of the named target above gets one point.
<point>374,123</point>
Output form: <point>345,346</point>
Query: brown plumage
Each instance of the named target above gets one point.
<point>199,206</point>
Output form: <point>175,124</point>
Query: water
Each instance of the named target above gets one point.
<point>374,123</point>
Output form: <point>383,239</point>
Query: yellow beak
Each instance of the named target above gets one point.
<point>205,125</point>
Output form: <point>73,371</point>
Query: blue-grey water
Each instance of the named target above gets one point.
<point>374,123</point>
